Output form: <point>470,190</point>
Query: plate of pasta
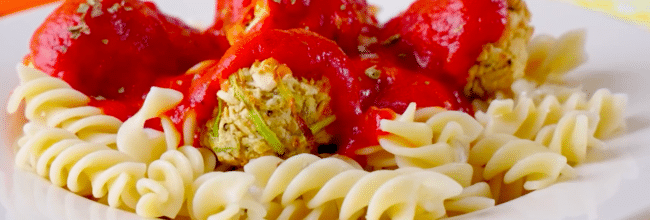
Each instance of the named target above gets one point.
<point>362,118</point>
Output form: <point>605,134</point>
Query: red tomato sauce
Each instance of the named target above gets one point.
<point>115,52</point>
<point>445,37</point>
<point>342,21</point>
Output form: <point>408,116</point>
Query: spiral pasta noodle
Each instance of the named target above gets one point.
<point>169,180</point>
<point>146,144</point>
<point>571,136</point>
<point>171,171</point>
<point>51,101</point>
<point>444,138</point>
<point>472,198</point>
<point>550,58</point>
<point>86,168</point>
<point>609,107</point>
<point>560,118</point>
<point>224,195</point>
<point>337,189</point>
<point>504,159</point>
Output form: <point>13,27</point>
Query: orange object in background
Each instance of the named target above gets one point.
<point>11,6</point>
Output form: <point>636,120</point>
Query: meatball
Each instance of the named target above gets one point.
<point>504,61</point>
<point>264,110</point>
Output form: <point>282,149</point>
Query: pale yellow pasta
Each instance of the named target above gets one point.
<point>549,58</point>
<point>358,196</point>
<point>404,126</point>
<point>377,158</point>
<point>517,159</point>
<point>169,180</point>
<point>472,198</point>
<point>52,102</point>
<point>336,188</point>
<point>399,197</point>
<point>146,144</point>
<point>86,168</point>
<point>297,210</point>
<point>427,156</point>
<point>107,173</point>
<point>36,141</point>
<point>444,138</point>
<point>305,186</point>
<point>461,172</point>
<point>609,108</point>
<point>571,136</point>
<point>224,195</point>
<point>523,120</point>
<point>284,174</point>
<point>313,177</point>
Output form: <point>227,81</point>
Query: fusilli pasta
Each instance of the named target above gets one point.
<point>86,168</point>
<point>549,58</point>
<point>146,144</point>
<point>505,158</point>
<point>169,180</point>
<point>445,137</point>
<point>336,186</point>
<point>224,195</point>
<point>472,198</point>
<point>609,108</point>
<point>51,101</point>
<point>560,118</point>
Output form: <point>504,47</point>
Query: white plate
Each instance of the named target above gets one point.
<point>611,185</point>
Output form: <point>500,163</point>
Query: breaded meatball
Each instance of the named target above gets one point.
<point>503,62</point>
<point>268,112</point>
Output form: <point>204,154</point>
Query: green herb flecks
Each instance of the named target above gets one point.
<point>79,29</point>
<point>373,72</point>
<point>113,8</point>
<point>83,8</point>
<point>97,10</point>
<point>263,129</point>
<point>391,40</point>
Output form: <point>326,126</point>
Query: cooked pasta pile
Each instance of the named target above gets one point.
<point>432,163</point>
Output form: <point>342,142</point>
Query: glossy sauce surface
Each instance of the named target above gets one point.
<point>113,50</point>
<point>445,37</point>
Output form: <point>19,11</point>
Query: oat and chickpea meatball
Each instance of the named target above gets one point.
<point>504,61</point>
<point>479,45</point>
<point>264,110</point>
